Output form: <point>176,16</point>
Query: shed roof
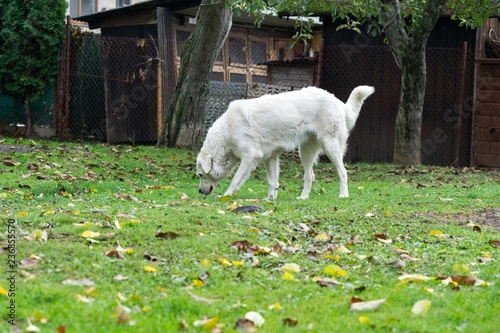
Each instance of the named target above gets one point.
<point>95,19</point>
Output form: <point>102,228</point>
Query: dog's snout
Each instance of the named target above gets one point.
<point>205,191</point>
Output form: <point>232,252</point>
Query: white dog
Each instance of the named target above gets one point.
<point>259,129</point>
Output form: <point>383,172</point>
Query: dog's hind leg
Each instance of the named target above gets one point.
<point>335,154</point>
<point>272,173</point>
<point>308,153</point>
<point>248,164</point>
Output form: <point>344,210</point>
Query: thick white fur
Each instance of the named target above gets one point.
<point>260,129</point>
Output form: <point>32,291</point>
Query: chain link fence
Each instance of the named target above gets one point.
<point>109,87</point>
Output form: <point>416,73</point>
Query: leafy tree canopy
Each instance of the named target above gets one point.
<point>30,37</point>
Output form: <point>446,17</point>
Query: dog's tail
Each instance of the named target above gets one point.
<point>355,101</point>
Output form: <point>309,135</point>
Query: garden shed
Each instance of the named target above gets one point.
<point>142,45</point>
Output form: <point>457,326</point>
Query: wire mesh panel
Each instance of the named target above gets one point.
<point>114,91</point>
<point>220,94</point>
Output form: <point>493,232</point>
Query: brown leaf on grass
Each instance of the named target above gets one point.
<point>29,262</point>
<point>326,282</point>
<point>383,238</point>
<point>114,253</point>
<point>277,248</point>
<point>400,251</point>
<point>147,256</point>
<point>166,234</point>
<point>495,243</point>
<point>464,279</point>
<point>11,163</point>
<point>245,325</point>
<point>125,196</point>
<point>241,245</point>
<point>290,322</point>
<point>355,299</point>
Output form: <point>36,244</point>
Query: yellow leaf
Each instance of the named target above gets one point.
<point>150,269</point>
<point>198,283</point>
<point>3,291</point>
<point>421,307</point>
<point>21,214</point>
<point>287,276</point>
<point>49,212</point>
<point>237,263</point>
<point>76,212</point>
<point>293,268</point>
<point>435,233</point>
<point>84,299</point>
<point>210,324</point>
<point>335,271</point>
<point>364,320</point>
<point>225,199</point>
<point>275,306</point>
<point>322,236</point>
<point>89,234</point>
<point>224,262</point>
<point>329,255</point>
<point>205,263</point>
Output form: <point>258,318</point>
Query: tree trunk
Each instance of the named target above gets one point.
<point>411,105</point>
<point>27,112</point>
<point>184,124</point>
<point>408,44</point>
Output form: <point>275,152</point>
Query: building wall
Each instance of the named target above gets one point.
<point>487,139</point>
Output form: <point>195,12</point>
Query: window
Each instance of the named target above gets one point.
<point>237,50</point>
<point>258,52</point>
<point>121,3</point>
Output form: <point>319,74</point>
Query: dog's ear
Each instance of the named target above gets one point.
<point>206,163</point>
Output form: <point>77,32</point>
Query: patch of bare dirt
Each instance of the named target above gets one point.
<point>488,217</point>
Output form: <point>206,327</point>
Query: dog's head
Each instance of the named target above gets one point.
<point>205,170</point>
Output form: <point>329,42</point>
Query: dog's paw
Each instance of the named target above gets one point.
<point>343,195</point>
<point>303,197</point>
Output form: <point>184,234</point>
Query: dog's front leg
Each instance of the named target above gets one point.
<point>244,170</point>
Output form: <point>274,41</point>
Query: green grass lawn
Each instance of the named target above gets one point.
<point>117,239</point>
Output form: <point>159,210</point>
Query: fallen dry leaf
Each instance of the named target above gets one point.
<point>29,262</point>
<point>201,299</point>
<point>120,277</point>
<point>293,268</point>
<point>166,234</point>
<point>125,196</point>
<point>80,283</point>
<point>421,307</point>
<point>367,306</point>
<point>495,243</point>
<point>245,325</point>
<point>37,235</point>
<point>290,322</point>
<point>246,209</point>
<point>256,318</point>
